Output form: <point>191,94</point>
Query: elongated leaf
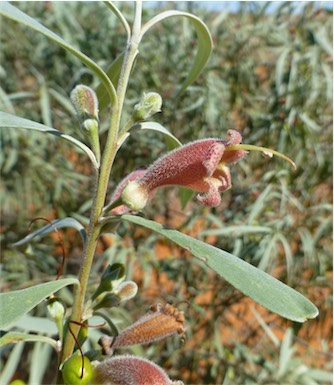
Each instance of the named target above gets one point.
<point>12,121</point>
<point>31,324</point>
<point>205,43</point>
<point>236,231</point>
<point>172,141</point>
<point>185,194</point>
<point>58,224</point>
<point>113,73</point>
<point>14,337</point>
<point>8,10</point>
<point>12,362</point>
<point>40,362</point>
<point>16,304</point>
<point>258,285</point>
<point>120,16</point>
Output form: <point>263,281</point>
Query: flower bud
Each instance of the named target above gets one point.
<point>124,292</point>
<point>149,105</point>
<point>86,106</point>
<point>159,323</point>
<point>125,370</point>
<point>135,196</point>
<point>55,309</point>
<point>127,290</point>
<point>85,103</point>
<point>121,209</point>
<point>109,300</point>
<point>111,278</point>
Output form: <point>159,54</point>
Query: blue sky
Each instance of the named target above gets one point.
<point>233,6</point>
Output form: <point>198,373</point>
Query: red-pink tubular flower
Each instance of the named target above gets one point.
<point>131,370</point>
<point>200,166</point>
<point>160,322</point>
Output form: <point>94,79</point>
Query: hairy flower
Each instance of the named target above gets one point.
<point>200,166</point>
<point>131,370</point>
<point>160,322</point>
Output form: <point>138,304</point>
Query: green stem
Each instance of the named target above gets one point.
<point>102,179</point>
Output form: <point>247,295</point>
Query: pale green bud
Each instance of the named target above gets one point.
<point>149,105</point>
<point>85,103</point>
<point>56,312</point>
<point>127,290</point>
<point>135,196</point>
<point>110,280</point>
<point>56,309</point>
<point>86,106</point>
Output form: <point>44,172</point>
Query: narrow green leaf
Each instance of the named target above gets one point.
<point>16,304</point>
<point>113,72</point>
<point>8,10</point>
<point>13,361</point>
<point>286,354</point>
<point>32,324</point>
<point>12,121</point>
<point>258,285</point>
<point>237,231</point>
<point>120,16</point>
<point>58,224</point>
<point>309,122</point>
<point>324,41</point>
<point>40,362</point>
<point>172,141</point>
<point>205,43</point>
<point>14,337</point>
<point>185,194</point>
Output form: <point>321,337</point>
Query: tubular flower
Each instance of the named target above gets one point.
<point>130,370</point>
<point>200,166</point>
<point>160,322</point>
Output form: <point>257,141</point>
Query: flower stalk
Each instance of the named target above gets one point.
<point>101,183</point>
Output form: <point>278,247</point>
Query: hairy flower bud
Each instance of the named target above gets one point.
<point>124,292</point>
<point>127,290</point>
<point>86,106</point>
<point>131,370</point>
<point>160,322</point>
<point>85,102</point>
<point>149,105</point>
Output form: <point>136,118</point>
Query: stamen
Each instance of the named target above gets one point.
<point>265,150</point>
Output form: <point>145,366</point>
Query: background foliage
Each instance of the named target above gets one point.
<point>270,77</point>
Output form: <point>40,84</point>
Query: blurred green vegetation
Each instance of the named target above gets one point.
<point>270,77</point>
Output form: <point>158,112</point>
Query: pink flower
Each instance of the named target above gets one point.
<point>160,322</point>
<point>130,370</point>
<point>200,166</point>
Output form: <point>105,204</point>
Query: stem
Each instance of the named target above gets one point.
<point>101,184</point>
